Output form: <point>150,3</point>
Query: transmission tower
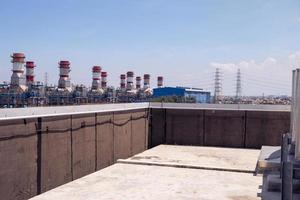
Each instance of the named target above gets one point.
<point>218,85</point>
<point>46,79</point>
<point>238,89</point>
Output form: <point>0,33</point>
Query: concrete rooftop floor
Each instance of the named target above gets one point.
<point>227,159</point>
<point>170,172</point>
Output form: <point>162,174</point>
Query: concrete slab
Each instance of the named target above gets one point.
<point>126,181</point>
<point>269,159</point>
<point>226,159</point>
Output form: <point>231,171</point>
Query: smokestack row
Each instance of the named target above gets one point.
<point>19,80</point>
<point>128,85</point>
<point>64,79</point>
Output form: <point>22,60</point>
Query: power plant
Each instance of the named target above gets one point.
<point>24,90</point>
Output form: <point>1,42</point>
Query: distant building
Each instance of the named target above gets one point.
<point>198,94</point>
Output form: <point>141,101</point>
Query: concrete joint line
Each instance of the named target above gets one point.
<point>122,161</point>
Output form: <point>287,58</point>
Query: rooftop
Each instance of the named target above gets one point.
<point>170,172</point>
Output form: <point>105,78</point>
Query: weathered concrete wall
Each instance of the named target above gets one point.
<point>139,126</point>
<point>122,135</point>
<point>18,154</point>
<point>157,127</point>
<point>105,140</point>
<point>56,152</point>
<point>184,127</point>
<point>39,154</point>
<point>225,128</point>
<point>83,144</point>
<point>266,128</point>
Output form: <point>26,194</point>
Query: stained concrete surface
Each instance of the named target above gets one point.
<point>144,181</point>
<point>126,181</point>
<point>266,128</point>
<point>105,140</point>
<point>229,159</point>
<point>18,156</point>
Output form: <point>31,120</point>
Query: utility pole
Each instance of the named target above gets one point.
<point>238,90</point>
<point>218,85</point>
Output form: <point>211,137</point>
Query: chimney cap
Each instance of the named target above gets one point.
<point>29,64</point>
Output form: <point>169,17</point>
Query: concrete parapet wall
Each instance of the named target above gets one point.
<point>105,140</point>
<point>225,128</point>
<point>18,156</point>
<point>55,152</point>
<point>266,128</point>
<point>39,154</point>
<point>83,145</point>
<point>184,127</point>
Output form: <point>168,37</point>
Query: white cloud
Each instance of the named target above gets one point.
<point>295,56</point>
<point>245,65</point>
<point>231,67</point>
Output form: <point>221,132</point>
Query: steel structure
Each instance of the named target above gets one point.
<point>218,85</point>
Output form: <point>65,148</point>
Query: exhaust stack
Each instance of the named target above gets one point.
<point>103,80</point>
<point>138,82</point>
<point>64,79</point>
<point>146,81</point>
<point>29,73</point>
<point>18,79</point>
<point>129,85</point>
<point>122,83</point>
<point>96,77</point>
<point>160,80</point>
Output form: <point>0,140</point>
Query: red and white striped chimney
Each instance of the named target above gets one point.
<point>146,81</point>
<point>104,80</point>
<point>138,82</point>
<point>18,79</point>
<point>29,72</point>
<point>64,79</point>
<point>123,82</point>
<point>160,80</point>
<point>96,77</point>
<point>129,85</point>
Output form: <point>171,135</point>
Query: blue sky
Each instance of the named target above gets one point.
<point>183,40</point>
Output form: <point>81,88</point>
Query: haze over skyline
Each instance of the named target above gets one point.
<point>181,40</point>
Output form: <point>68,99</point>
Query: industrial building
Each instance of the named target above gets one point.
<point>197,94</point>
<point>25,91</point>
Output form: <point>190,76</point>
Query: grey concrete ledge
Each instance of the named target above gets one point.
<point>33,112</point>
<point>204,106</point>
